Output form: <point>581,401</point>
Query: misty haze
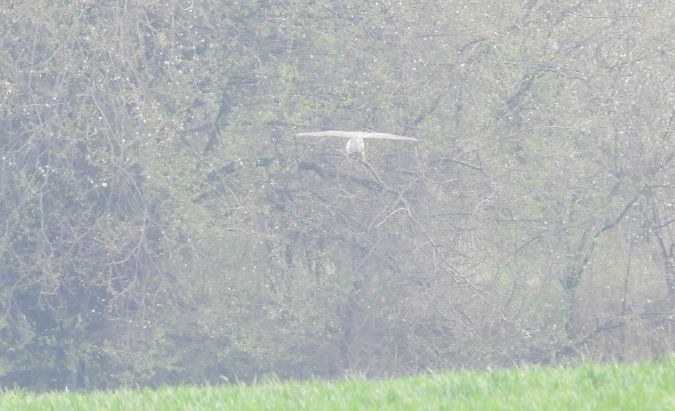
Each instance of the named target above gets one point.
<point>171,213</point>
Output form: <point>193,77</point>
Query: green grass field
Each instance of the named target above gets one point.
<point>588,387</point>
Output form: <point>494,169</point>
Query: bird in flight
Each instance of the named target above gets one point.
<point>355,145</point>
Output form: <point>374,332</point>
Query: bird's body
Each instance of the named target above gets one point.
<point>355,145</point>
<point>356,148</point>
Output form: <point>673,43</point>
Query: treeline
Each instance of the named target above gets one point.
<point>159,222</point>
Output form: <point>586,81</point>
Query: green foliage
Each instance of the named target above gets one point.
<point>159,223</point>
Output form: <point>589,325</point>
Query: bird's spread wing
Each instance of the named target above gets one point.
<point>355,134</point>
<point>386,136</point>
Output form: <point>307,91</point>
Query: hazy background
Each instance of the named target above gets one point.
<point>160,223</point>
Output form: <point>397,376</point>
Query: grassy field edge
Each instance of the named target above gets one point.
<point>642,386</point>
